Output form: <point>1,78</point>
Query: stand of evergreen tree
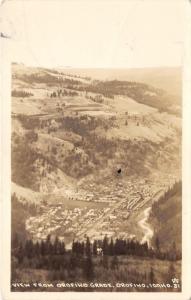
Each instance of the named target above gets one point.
<point>176,188</point>
<point>54,250</point>
<point>85,260</point>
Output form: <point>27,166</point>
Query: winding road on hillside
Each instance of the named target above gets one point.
<point>148,232</point>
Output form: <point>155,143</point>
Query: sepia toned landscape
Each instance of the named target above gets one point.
<point>96,179</point>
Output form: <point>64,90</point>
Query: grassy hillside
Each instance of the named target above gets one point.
<point>160,87</point>
<point>66,127</point>
<point>141,92</point>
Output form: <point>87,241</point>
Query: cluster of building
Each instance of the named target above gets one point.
<point>60,221</point>
<point>120,200</point>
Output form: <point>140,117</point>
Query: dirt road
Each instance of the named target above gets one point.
<point>148,232</point>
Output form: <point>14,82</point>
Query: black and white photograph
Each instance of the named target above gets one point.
<point>96,146</point>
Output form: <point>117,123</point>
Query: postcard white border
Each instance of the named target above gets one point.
<point>5,220</point>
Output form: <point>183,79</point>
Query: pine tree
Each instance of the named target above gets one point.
<point>29,248</point>
<point>88,268</point>
<point>111,247</point>
<point>95,247</point>
<point>21,253</point>
<point>157,243</point>
<point>42,248</point>
<point>105,246</point>
<point>56,246</point>
<point>88,247</point>
<point>37,249</point>
<point>62,250</point>
<point>72,262</point>
<point>48,244</point>
<point>82,249</point>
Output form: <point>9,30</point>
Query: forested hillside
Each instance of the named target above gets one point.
<point>166,218</point>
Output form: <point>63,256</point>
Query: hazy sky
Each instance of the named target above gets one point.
<point>119,34</point>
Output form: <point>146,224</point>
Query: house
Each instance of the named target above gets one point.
<point>112,217</point>
<point>99,251</point>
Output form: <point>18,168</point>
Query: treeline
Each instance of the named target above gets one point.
<point>122,247</point>
<point>105,92</point>
<point>41,78</point>
<point>76,76</point>
<point>140,92</point>
<point>103,247</point>
<point>85,261</point>
<point>51,80</point>
<point>115,87</point>
<point>52,256</point>
<point>63,93</point>
<point>66,74</point>
<point>23,94</point>
<point>31,250</point>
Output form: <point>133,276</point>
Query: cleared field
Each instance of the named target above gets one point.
<point>47,140</point>
<point>96,113</point>
<point>26,106</point>
<point>133,131</point>
<point>120,104</point>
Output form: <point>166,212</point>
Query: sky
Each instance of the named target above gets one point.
<point>95,33</point>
